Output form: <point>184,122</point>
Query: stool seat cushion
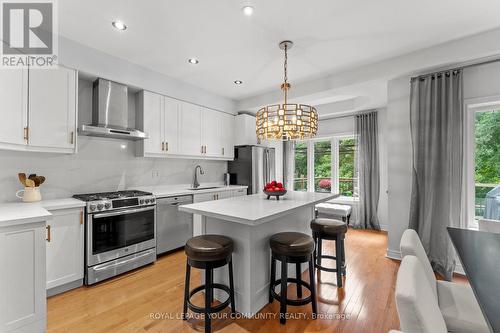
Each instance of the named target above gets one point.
<point>209,247</point>
<point>329,227</point>
<point>292,244</point>
<point>334,209</point>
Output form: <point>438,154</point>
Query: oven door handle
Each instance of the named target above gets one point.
<point>123,212</point>
<point>122,262</point>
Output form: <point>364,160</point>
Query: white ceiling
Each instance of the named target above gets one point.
<point>329,35</point>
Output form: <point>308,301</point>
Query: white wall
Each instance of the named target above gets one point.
<point>479,81</point>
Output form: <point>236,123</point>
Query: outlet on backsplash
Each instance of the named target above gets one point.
<point>155,174</point>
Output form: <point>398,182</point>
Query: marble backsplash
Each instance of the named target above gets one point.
<point>101,164</point>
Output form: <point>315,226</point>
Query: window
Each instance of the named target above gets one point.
<point>482,162</point>
<point>326,165</point>
<point>346,169</point>
<point>323,166</point>
<point>300,173</point>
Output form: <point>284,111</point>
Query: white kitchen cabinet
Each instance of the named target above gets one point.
<point>227,135</point>
<point>65,248</point>
<point>52,108</point>
<point>190,130</point>
<point>23,305</point>
<point>239,192</point>
<point>158,116</point>
<point>13,94</point>
<point>41,113</point>
<point>244,130</point>
<point>211,129</point>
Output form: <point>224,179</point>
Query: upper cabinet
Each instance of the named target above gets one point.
<point>40,111</point>
<point>244,130</point>
<point>183,130</point>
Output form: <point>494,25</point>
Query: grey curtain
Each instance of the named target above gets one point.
<point>436,118</point>
<point>368,171</point>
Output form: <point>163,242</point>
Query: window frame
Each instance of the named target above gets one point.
<point>335,160</point>
<point>471,106</point>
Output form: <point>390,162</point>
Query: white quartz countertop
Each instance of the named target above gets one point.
<point>22,213</point>
<point>172,190</point>
<point>256,209</point>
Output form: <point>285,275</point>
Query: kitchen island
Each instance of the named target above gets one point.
<point>250,221</point>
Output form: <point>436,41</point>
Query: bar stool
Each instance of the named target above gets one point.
<point>292,248</point>
<point>330,229</point>
<point>208,252</point>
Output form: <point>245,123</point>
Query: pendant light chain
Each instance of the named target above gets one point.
<point>285,67</point>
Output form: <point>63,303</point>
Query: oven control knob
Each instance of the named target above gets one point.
<point>107,205</point>
<point>100,206</point>
<point>147,201</point>
<point>141,201</point>
<point>92,207</point>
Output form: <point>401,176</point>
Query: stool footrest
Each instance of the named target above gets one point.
<point>297,302</point>
<point>214,309</point>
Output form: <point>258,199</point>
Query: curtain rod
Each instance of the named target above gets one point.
<point>353,114</point>
<point>476,63</point>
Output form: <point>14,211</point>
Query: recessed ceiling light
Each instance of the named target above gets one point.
<point>119,25</point>
<point>247,10</point>
<point>193,61</point>
<point>238,82</point>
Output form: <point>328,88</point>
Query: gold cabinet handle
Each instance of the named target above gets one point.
<point>162,146</point>
<point>26,133</point>
<point>222,151</point>
<point>48,233</point>
<point>166,146</point>
<point>202,149</point>
<point>72,138</point>
<point>81,217</point>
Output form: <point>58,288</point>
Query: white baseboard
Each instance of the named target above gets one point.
<point>384,227</point>
<point>392,254</point>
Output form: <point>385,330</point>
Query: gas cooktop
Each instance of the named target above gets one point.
<point>111,195</point>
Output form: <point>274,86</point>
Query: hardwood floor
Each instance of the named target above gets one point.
<point>150,299</point>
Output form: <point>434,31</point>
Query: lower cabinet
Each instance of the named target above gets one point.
<point>239,192</point>
<point>23,305</point>
<point>65,250</point>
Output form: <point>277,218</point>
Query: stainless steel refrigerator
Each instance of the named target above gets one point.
<point>253,166</point>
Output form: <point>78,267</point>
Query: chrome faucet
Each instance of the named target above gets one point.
<point>196,184</point>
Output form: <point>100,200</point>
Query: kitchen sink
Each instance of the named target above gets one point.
<point>203,188</point>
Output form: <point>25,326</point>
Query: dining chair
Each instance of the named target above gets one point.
<point>417,307</point>
<point>489,225</point>
<point>457,302</point>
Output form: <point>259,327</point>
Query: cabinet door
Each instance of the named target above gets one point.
<point>52,107</point>
<point>211,123</point>
<point>223,195</point>
<point>240,192</point>
<point>151,110</point>
<point>171,125</point>
<point>65,249</point>
<point>22,280</point>
<point>227,135</point>
<point>190,130</point>
<point>14,97</point>
<point>202,197</point>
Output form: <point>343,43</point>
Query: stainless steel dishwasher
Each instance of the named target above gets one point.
<point>173,228</point>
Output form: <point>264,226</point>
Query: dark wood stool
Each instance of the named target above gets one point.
<point>208,252</point>
<point>292,248</point>
<point>330,229</point>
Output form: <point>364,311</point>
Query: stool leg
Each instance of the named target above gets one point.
<point>298,274</point>
<point>315,237</point>
<point>320,245</point>
<point>343,256</point>
<point>273,278</point>
<point>284,277</point>
<point>338,260</point>
<point>348,219</point>
<point>231,287</point>
<point>208,299</point>
<point>312,281</point>
<point>186,290</point>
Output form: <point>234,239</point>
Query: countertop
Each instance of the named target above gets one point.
<point>22,213</point>
<point>161,191</point>
<point>255,209</point>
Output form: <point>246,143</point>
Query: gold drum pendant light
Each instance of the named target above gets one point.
<point>286,121</point>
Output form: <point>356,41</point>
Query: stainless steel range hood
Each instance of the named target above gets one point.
<point>110,116</point>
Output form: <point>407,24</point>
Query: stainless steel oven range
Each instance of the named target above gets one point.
<point>120,229</point>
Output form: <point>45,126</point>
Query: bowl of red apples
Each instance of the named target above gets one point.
<point>274,189</point>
